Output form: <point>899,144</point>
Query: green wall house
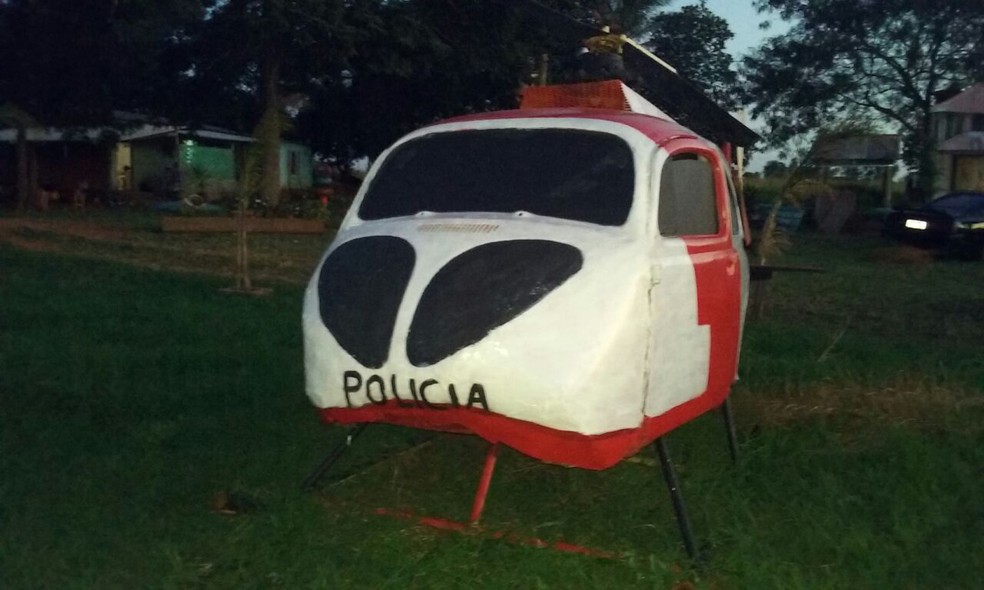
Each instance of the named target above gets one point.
<point>178,161</point>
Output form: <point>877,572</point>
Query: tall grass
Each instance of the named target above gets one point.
<point>130,399</point>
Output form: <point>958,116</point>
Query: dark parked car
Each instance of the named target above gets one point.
<point>953,222</point>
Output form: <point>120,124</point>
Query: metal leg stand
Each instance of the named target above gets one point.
<point>334,455</point>
<point>729,425</point>
<point>483,484</point>
<point>678,506</point>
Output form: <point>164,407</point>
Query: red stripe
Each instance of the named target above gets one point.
<point>540,442</point>
<point>460,527</point>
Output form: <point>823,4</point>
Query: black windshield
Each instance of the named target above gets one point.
<point>566,173</point>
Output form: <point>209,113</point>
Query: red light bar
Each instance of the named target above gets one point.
<point>608,94</point>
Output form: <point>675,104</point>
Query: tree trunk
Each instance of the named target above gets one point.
<point>23,177</point>
<point>270,131</point>
<point>33,172</point>
<point>243,282</point>
<point>926,159</point>
<point>927,171</point>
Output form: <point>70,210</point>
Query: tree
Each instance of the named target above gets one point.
<point>419,61</point>
<point>265,49</point>
<point>624,16</point>
<point>71,64</point>
<point>423,60</point>
<point>774,169</point>
<point>692,40</point>
<point>859,58</point>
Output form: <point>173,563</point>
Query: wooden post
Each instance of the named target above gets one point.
<point>544,69</point>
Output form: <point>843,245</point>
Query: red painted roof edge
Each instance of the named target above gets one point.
<point>658,130</point>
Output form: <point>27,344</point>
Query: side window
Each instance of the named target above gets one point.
<point>687,204</point>
<point>733,207</point>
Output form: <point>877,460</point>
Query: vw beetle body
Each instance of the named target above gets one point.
<point>569,282</point>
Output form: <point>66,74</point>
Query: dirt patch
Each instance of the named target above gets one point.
<point>906,400</point>
<point>135,241</point>
<point>89,230</point>
<point>902,255</point>
<point>27,244</point>
<point>231,224</point>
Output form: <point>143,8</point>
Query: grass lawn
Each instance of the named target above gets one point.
<point>132,399</point>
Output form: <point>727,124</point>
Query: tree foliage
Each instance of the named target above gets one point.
<point>353,75</point>
<point>71,62</point>
<point>420,61</point>
<point>624,16</point>
<point>692,40</point>
<point>865,58</point>
<point>268,48</point>
<point>774,169</point>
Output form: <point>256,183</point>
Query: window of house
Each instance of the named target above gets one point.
<point>940,126</point>
<point>952,125</point>
<point>977,124</point>
<point>687,203</point>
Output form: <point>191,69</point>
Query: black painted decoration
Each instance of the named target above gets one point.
<point>360,289</point>
<point>483,289</point>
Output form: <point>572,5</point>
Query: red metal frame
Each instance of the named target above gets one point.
<point>483,483</point>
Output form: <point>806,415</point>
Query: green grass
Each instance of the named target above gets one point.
<point>129,398</point>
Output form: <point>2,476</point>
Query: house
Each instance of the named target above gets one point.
<point>208,160</point>
<point>169,160</point>
<point>958,130</point>
<point>62,160</point>
<point>163,160</point>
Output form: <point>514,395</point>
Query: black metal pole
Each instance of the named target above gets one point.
<point>334,455</point>
<point>678,506</point>
<point>729,425</point>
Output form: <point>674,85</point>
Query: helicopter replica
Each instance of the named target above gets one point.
<point>568,279</point>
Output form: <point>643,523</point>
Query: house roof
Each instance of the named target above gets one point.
<point>967,143</point>
<point>156,131</point>
<point>40,134</point>
<point>968,101</point>
<point>147,131</point>
<point>863,150</point>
